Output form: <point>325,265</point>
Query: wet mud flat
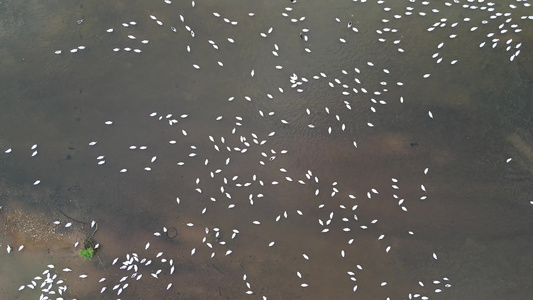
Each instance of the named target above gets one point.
<point>299,151</point>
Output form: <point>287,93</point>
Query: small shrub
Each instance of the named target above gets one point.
<point>87,253</point>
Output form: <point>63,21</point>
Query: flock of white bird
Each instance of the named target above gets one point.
<point>222,186</point>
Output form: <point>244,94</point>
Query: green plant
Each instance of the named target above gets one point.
<point>87,253</point>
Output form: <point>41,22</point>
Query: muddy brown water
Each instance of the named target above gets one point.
<point>477,216</point>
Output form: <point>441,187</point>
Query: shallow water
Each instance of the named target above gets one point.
<point>476,217</point>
